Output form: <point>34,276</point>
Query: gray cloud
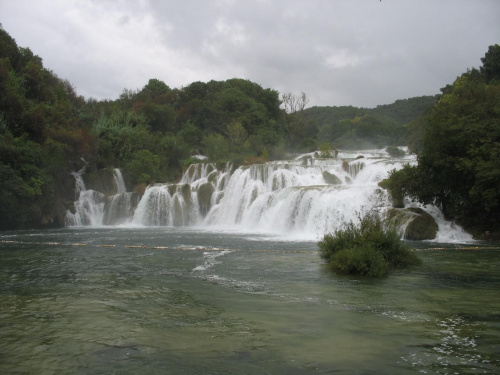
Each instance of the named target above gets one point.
<point>342,52</point>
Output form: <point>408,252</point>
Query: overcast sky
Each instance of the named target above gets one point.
<point>339,52</point>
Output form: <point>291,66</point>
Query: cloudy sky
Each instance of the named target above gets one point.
<point>339,52</point>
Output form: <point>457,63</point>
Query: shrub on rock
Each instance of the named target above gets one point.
<point>366,249</point>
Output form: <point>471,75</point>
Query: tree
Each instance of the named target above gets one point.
<point>190,134</point>
<point>143,167</point>
<point>325,150</point>
<point>294,103</point>
<point>215,146</point>
<point>155,88</point>
<point>491,64</point>
<point>458,167</point>
<point>236,133</point>
<point>160,117</point>
<point>301,133</point>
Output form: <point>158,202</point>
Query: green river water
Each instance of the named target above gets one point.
<point>235,303</point>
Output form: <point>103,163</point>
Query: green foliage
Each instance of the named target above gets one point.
<point>404,111</point>
<point>401,183</point>
<point>24,180</point>
<point>190,134</point>
<point>236,133</point>
<point>160,117</point>
<point>363,260</point>
<point>143,167</point>
<point>394,152</point>
<point>458,167</point>
<point>366,249</point>
<point>216,147</point>
<point>351,127</point>
<point>325,150</point>
<point>415,133</point>
<point>491,64</point>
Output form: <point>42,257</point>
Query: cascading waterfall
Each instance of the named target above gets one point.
<point>303,198</point>
<point>93,208</point>
<point>119,208</point>
<point>88,205</point>
<point>88,209</point>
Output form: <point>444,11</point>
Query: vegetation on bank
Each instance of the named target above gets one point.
<point>366,248</point>
<point>458,144</point>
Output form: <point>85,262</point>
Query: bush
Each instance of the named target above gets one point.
<point>394,152</point>
<point>365,249</point>
<point>143,167</point>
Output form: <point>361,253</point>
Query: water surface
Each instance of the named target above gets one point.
<point>188,301</point>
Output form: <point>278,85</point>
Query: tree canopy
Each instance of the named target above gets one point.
<point>458,165</point>
<point>357,128</point>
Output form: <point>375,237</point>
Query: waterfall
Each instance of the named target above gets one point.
<point>290,198</point>
<point>88,209</point>
<point>92,208</point>
<point>120,184</point>
<point>167,205</point>
<point>300,199</point>
<point>79,184</point>
<point>119,208</point>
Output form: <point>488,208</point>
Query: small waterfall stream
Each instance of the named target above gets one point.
<point>120,183</point>
<point>302,198</point>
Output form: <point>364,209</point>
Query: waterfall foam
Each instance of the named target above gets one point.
<point>296,198</point>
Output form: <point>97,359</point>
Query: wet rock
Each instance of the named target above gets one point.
<point>205,192</point>
<point>331,179</point>
<point>418,225</point>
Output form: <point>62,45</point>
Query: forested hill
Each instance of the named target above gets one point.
<point>47,131</point>
<point>402,111</point>
<point>353,127</point>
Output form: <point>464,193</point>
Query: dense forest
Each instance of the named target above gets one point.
<point>153,133</point>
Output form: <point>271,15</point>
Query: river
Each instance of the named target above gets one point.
<point>189,300</point>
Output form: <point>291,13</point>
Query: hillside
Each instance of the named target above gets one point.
<point>352,127</point>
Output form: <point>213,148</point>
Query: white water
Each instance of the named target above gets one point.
<point>286,198</point>
<point>79,184</point>
<point>120,183</point>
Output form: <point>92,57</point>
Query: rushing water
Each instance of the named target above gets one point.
<point>302,198</point>
<point>113,300</point>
